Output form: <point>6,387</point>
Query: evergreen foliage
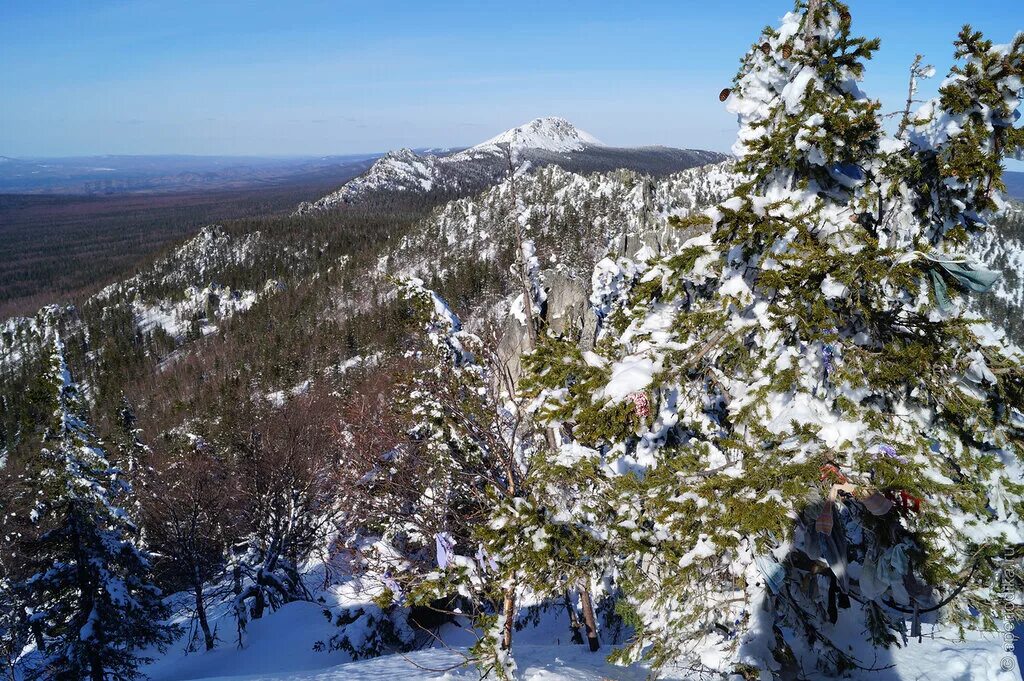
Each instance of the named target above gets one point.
<point>91,604</point>
<point>832,436</point>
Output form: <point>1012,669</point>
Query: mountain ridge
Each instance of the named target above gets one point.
<point>540,142</point>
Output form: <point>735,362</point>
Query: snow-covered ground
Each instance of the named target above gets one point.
<point>280,649</point>
<point>285,661</point>
<point>282,646</point>
<point>537,663</point>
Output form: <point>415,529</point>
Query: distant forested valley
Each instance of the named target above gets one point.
<point>64,247</point>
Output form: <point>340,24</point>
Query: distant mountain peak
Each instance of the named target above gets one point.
<point>549,134</point>
<point>402,153</point>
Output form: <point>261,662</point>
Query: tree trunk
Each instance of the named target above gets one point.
<point>86,603</point>
<point>809,27</point>
<point>524,273</point>
<point>554,438</point>
<point>259,603</point>
<point>588,619</point>
<point>236,570</point>
<point>574,623</point>
<point>510,618</point>
<point>95,667</point>
<point>201,613</point>
<point>37,632</point>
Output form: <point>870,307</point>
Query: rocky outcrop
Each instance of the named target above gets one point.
<point>567,303</point>
<point>566,312</point>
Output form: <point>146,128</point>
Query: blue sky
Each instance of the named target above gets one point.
<point>276,77</point>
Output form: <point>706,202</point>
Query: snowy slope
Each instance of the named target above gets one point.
<point>942,658</point>
<point>181,290</point>
<point>21,336</point>
<point>179,294</point>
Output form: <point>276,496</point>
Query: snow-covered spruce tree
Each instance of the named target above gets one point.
<point>794,427</point>
<point>131,449</point>
<point>554,535</point>
<point>510,524</point>
<point>89,595</point>
<point>947,158</point>
<point>479,440</point>
<point>13,625</point>
<point>443,397</point>
<point>132,457</point>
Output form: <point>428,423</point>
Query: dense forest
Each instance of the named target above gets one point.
<point>65,247</point>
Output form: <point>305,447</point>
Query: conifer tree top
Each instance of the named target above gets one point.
<point>802,114</point>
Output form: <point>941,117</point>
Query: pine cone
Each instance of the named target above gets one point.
<point>766,48</point>
<point>724,94</point>
<point>787,51</point>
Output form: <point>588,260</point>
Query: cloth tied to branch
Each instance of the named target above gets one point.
<point>965,274</point>
<point>642,404</point>
<point>393,587</point>
<point>773,571</point>
<point>445,549</point>
<point>882,573</point>
<point>484,559</point>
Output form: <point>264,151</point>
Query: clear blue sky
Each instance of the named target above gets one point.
<point>292,77</point>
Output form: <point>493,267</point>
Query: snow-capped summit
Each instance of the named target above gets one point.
<point>540,142</point>
<point>548,134</point>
